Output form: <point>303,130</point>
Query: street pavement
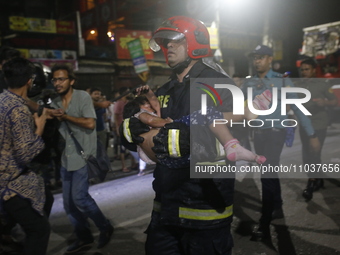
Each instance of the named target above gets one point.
<point>308,228</point>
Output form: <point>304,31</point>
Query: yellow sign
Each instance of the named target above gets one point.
<point>24,53</point>
<point>41,25</point>
<point>18,23</point>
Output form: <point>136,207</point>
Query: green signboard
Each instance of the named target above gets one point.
<point>137,56</point>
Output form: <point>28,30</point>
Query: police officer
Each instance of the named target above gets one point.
<point>322,97</point>
<point>190,216</point>
<point>270,137</point>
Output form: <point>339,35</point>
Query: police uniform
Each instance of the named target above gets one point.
<point>269,138</point>
<point>190,213</point>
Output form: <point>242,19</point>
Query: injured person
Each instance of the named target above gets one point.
<point>146,108</point>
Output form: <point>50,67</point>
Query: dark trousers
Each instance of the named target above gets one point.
<point>269,143</point>
<point>35,226</point>
<point>49,199</point>
<point>175,240</point>
<point>79,205</point>
<point>6,228</point>
<point>307,156</point>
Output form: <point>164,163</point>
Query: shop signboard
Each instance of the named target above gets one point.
<point>123,36</point>
<point>137,56</point>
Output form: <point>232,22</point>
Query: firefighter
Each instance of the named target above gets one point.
<point>190,216</point>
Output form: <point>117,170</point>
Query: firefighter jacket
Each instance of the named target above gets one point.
<point>180,200</point>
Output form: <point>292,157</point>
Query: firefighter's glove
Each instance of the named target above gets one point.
<point>173,140</point>
<point>131,128</point>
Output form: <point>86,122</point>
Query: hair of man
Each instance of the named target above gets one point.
<point>8,53</point>
<point>309,61</point>
<point>18,71</point>
<point>65,67</point>
<point>95,89</point>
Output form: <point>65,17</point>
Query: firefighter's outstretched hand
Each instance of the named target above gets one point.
<point>173,140</point>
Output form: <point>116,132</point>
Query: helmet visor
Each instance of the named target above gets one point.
<point>162,38</point>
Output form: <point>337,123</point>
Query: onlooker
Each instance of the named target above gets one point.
<point>270,137</point>
<point>111,118</point>
<point>21,190</point>
<point>321,97</point>
<point>106,123</point>
<point>142,167</point>
<point>96,95</point>
<point>76,110</point>
<point>102,102</point>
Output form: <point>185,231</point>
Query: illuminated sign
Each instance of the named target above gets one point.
<point>137,55</point>
<point>123,36</point>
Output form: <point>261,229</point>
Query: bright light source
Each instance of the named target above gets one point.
<point>112,38</point>
<point>92,32</point>
<point>234,3</point>
<point>109,34</point>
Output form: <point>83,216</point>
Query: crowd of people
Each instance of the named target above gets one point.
<point>35,138</point>
<point>190,215</point>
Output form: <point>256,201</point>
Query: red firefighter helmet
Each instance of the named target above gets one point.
<point>178,28</point>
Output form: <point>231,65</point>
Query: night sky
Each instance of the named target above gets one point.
<point>300,14</point>
<point>287,19</point>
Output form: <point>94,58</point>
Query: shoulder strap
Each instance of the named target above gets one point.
<point>78,146</point>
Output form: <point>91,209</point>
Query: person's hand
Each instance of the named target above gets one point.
<point>131,128</point>
<point>105,104</point>
<point>314,146</point>
<point>102,104</point>
<point>39,122</point>
<point>142,90</point>
<point>179,134</point>
<point>169,120</point>
<point>51,113</point>
<point>57,113</point>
